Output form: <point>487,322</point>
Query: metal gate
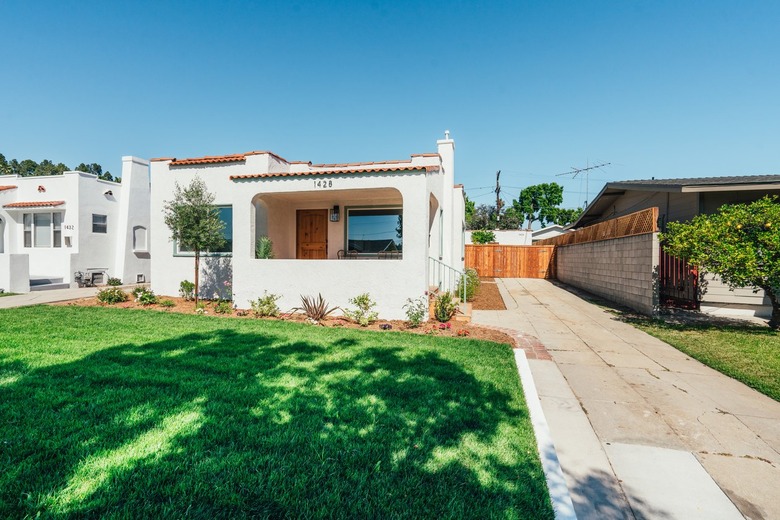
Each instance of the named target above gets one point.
<point>678,282</point>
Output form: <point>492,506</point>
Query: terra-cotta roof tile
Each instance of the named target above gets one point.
<point>35,204</point>
<point>337,172</point>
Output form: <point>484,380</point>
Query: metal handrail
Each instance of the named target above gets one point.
<point>447,278</point>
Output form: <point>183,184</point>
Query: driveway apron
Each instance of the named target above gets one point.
<point>641,429</point>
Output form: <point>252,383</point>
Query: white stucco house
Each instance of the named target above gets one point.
<point>53,226</point>
<point>390,228</point>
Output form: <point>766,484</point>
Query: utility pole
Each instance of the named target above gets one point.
<point>577,171</point>
<point>498,198</point>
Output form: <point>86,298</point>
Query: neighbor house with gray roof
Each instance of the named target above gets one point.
<point>679,200</point>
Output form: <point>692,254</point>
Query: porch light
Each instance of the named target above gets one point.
<point>334,214</point>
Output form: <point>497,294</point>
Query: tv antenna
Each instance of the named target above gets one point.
<point>576,171</point>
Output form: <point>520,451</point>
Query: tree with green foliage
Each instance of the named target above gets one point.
<point>539,202</point>
<point>46,167</point>
<point>469,209</point>
<point>96,169</point>
<point>564,216</point>
<point>740,243</point>
<point>194,222</point>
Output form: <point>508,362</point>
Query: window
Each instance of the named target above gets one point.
<point>226,216</point>
<point>99,223</point>
<point>375,230</point>
<point>27,229</point>
<point>42,229</point>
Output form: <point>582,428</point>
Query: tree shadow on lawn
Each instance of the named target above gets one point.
<point>229,425</point>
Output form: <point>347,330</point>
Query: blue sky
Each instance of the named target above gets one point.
<point>663,89</point>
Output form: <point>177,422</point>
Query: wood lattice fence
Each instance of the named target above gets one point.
<point>639,223</point>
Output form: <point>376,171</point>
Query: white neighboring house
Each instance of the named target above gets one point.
<point>392,229</point>
<point>53,226</point>
<point>551,231</point>
<point>507,237</point>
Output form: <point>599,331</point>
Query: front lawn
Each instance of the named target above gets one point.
<point>110,413</point>
<point>750,354</point>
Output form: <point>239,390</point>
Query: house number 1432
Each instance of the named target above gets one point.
<point>323,184</point>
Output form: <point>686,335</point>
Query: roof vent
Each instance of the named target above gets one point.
<point>446,134</point>
<point>41,189</point>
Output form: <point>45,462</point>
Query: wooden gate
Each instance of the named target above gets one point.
<point>678,282</point>
<point>500,261</point>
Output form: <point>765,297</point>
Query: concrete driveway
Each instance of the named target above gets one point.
<point>641,429</point>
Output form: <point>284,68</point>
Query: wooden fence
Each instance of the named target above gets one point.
<point>639,223</point>
<point>501,261</point>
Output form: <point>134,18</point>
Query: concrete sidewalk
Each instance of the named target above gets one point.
<point>641,429</point>
<point>55,295</point>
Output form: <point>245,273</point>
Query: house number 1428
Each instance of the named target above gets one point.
<point>323,184</point>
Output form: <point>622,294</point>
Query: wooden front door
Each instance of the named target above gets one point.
<point>312,234</point>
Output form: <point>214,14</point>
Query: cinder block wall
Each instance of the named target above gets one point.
<point>622,270</point>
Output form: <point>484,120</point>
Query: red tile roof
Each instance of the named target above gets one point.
<point>37,204</point>
<point>237,157</point>
<point>209,159</point>
<point>3,188</point>
<point>336,172</point>
<point>214,159</point>
<point>343,165</point>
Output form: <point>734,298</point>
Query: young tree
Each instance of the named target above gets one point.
<point>194,221</point>
<point>539,202</point>
<point>740,243</point>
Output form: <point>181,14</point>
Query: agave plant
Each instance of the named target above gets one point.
<point>316,310</point>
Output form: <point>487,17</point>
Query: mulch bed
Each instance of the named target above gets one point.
<point>488,298</point>
<point>451,329</point>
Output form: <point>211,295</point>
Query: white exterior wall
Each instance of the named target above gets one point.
<point>389,282</point>
<point>13,273</point>
<point>267,206</point>
<point>96,251</point>
<point>132,260</point>
<point>81,249</point>
<point>43,261</point>
<point>513,237</point>
<point>168,270</point>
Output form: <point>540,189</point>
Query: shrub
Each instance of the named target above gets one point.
<point>111,295</point>
<point>167,303</point>
<point>144,296</point>
<point>444,307</point>
<point>316,310</point>
<point>482,236</point>
<point>223,307</point>
<point>363,315</point>
<point>114,281</point>
<point>416,310</point>
<point>265,305</point>
<point>264,248</point>
<point>187,290</point>
<point>471,279</point>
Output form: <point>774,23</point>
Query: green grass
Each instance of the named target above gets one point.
<point>750,354</point>
<point>7,294</point>
<point>110,413</point>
